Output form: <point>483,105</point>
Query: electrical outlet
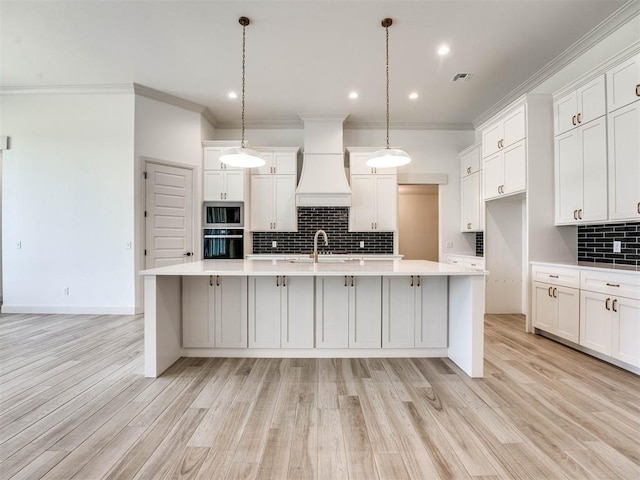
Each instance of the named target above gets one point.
<point>449,243</point>
<point>362,244</point>
<point>617,245</point>
<point>18,245</point>
<point>274,244</point>
<point>66,290</point>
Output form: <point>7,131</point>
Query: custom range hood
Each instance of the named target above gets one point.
<point>323,182</point>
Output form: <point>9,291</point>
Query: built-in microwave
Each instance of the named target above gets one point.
<point>223,215</point>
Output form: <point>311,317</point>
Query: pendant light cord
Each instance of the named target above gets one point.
<point>244,28</point>
<point>387,51</point>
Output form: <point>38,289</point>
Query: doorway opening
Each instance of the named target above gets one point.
<point>418,222</point>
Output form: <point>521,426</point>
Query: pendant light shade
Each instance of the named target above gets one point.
<point>242,157</point>
<point>389,157</point>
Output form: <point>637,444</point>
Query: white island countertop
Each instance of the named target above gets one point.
<point>307,268</point>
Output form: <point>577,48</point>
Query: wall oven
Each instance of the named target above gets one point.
<point>223,243</point>
<point>223,215</point>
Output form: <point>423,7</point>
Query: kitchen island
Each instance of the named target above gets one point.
<point>295,308</point>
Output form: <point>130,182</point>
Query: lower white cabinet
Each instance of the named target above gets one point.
<point>281,312</point>
<point>214,312</point>
<point>556,310</point>
<point>414,313</point>
<point>348,312</point>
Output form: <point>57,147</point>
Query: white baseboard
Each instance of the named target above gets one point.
<point>71,310</point>
<point>316,352</point>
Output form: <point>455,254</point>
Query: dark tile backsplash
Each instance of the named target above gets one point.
<point>480,244</point>
<point>595,243</point>
<point>334,221</point>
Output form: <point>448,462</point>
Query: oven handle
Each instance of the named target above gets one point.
<point>223,236</point>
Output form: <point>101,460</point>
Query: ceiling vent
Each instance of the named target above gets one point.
<point>461,77</point>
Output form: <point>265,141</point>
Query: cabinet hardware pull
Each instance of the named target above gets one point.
<point>573,120</point>
<point>371,225</point>
<point>217,280</point>
<point>345,280</point>
<point>468,169</point>
<point>211,280</point>
<point>638,207</point>
<point>221,197</point>
<point>575,214</point>
<point>613,285</point>
<point>606,303</point>
<point>579,119</point>
<point>376,223</point>
<point>418,280</point>
<point>553,276</point>
<point>284,281</point>
<point>613,305</point>
<point>411,281</point>
<point>498,188</point>
<point>549,291</point>
<point>468,226</point>
<point>555,290</point>
<point>277,280</point>
<point>580,214</point>
<point>638,90</point>
<point>352,282</point>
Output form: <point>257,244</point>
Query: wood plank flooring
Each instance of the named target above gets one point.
<point>74,405</point>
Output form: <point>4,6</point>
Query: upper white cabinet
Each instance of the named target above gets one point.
<point>623,83</point>
<point>580,106</point>
<point>506,131</point>
<point>624,163</point>
<point>505,172</point>
<point>221,182</point>
<point>348,312</point>
<point>273,191</point>
<point>472,205</point>
<point>374,194</point>
<point>581,174</point>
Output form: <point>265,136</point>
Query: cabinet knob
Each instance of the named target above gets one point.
<point>188,254</point>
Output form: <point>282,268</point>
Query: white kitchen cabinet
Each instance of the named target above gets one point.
<point>506,131</point>
<point>624,162</point>
<point>278,161</point>
<point>556,310</point>
<point>505,172</point>
<point>626,330</point>
<point>472,204</point>
<point>470,161</point>
<point>281,312</point>
<point>273,203</point>
<point>623,83</point>
<point>224,185</point>
<point>374,203</point>
<point>580,106</point>
<point>414,313</point>
<point>214,312</point>
<point>348,312</point>
<point>476,263</point>
<point>581,174</point>
<point>595,321</point>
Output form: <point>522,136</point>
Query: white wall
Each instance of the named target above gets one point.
<point>173,135</point>
<point>67,197</point>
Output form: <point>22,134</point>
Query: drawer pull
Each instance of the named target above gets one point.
<point>606,303</point>
<point>217,280</point>
<point>352,282</point>
<point>411,281</point>
<point>613,285</point>
<point>553,276</point>
<point>277,280</point>
<point>613,305</point>
<point>211,280</point>
<point>345,280</point>
<point>418,280</point>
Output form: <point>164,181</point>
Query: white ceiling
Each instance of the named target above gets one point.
<point>302,56</point>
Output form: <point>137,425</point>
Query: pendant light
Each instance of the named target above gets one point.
<point>242,157</point>
<point>389,157</point>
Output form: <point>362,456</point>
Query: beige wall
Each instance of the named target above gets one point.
<point>418,222</point>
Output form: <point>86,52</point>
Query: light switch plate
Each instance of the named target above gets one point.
<point>362,244</point>
<point>617,245</point>
<point>274,244</point>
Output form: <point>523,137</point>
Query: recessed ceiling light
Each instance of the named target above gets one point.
<point>232,95</point>
<point>444,49</point>
<point>413,95</point>
<point>353,95</point>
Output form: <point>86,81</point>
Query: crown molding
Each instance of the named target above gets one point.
<point>409,126</point>
<point>262,124</point>
<point>618,18</point>
<point>180,102</point>
<point>107,89</point>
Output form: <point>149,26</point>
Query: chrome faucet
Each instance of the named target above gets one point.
<point>314,255</point>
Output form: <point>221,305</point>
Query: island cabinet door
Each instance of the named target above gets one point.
<point>264,311</point>
<point>230,300</point>
<point>432,319</point>
<point>197,313</point>
<point>332,312</point>
<point>365,312</point>
<point>297,312</point>
<point>398,312</point>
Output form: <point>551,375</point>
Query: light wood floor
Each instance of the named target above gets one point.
<point>74,404</point>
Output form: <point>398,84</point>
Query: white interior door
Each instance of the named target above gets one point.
<point>169,215</point>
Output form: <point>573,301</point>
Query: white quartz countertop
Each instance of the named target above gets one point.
<point>307,268</point>
<point>602,267</point>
